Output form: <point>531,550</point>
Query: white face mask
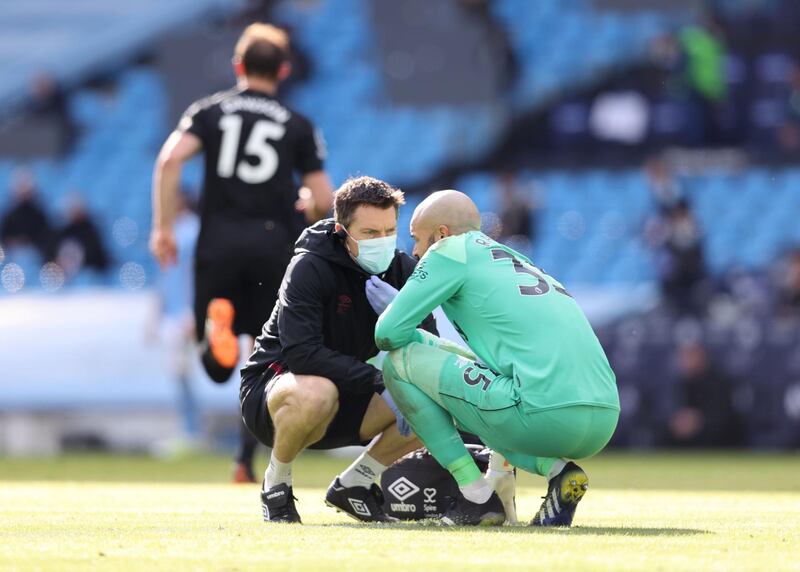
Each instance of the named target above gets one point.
<point>375,254</point>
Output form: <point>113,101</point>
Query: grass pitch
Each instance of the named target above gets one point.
<point>642,512</point>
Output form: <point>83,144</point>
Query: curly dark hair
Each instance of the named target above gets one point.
<point>364,191</point>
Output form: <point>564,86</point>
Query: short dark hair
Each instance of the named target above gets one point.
<point>262,49</point>
<point>364,191</point>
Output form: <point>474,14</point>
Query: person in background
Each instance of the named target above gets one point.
<point>705,415</point>
<point>662,184</point>
<point>702,71</point>
<point>789,286</point>
<point>48,101</point>
<point>665,193</point>
<point>677,240</point>
<point>517,211</point>
<point>79,244</point>
<point>693,62</point>
<point>789,131</point>
<point>25,224</point>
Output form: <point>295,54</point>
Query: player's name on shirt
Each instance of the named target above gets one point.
<point>268,107</point>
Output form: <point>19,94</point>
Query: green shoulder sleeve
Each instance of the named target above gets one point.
<point>437,278</point>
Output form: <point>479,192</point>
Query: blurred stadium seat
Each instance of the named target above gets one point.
<point>592,221</point>
<point>112,172</point>
<point>72,41</point>
<point>563,45</point>
<point>365,134</point>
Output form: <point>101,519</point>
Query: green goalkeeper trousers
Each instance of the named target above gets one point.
<point>439,392</point>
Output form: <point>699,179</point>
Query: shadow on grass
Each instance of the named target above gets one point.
<point>433,526</point>
<point>620,531</point>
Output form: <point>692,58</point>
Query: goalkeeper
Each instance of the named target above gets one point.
<point>539,390</point>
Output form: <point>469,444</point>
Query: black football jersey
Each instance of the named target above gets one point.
<point>254,147</point>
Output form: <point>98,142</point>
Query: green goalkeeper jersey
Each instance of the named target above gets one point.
<point>519,321</point>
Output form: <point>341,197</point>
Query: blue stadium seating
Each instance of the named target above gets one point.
<point>111,173</point>
<point>71,40</point>
<point>563,44</point>
<point>114,176</point>
<point>559,45</point>
<point>590,223</point>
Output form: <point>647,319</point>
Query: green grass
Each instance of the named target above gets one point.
<point>643,512</point>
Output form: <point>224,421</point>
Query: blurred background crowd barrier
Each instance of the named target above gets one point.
<point>646,153</point>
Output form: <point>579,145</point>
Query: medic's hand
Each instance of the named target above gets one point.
<point>402,424</point>
<point>380,294</point>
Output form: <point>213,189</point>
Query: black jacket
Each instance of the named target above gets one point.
<point>322,323</point>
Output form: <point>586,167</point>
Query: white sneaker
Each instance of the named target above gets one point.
<point>504,483</point>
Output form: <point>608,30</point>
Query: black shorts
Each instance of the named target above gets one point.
<point>251,284</point>
<point>342,432</point>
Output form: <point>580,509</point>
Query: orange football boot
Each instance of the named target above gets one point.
<point>219,332</point>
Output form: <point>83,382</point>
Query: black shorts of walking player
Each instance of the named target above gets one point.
<point>242,260</point>
<point>251,284</point>
<point>342,432</point>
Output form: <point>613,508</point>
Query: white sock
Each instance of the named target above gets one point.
<point>491,474</point>
<point>497,462</point>
<point>364,471</point>
<point>477,491</point>
<point>277,472</point>
<point>557,467</point>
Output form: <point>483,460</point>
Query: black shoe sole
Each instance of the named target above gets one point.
<point>488,519</point>
<point>390,519</point>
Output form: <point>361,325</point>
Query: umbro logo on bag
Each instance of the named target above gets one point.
<point>402,488</point>
<point>359,507</point>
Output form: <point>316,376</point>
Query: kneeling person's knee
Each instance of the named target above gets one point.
<point>393,367</point>
<point>319,397</point>
<point>312,397</point>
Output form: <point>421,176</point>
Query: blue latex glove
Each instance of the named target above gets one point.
<point>402,424</point>
<point>380,294</point>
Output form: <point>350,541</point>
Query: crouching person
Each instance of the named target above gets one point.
<point>308,383</point>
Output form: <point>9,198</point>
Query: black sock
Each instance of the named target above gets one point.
<point>247,446</point>
<point>215,371</point>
